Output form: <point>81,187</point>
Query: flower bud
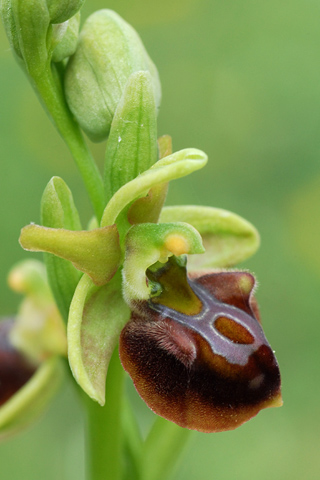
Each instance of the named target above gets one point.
<point>108,52</point>
<point>209,370</point>
<point>65,38</point>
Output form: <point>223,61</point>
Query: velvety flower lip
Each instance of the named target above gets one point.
<point>210,371</point>
<point>15,370</point>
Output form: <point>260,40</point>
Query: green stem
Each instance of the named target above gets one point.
<point>162,449</point>
<point>52,95</point>
<point>104,432</point>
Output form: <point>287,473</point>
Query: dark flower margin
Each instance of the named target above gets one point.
<point>211,370</point>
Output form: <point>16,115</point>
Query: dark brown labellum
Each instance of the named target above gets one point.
<point>210,371</point>
<point>15,371</point>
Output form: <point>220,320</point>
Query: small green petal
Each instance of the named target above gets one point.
<point>132,144</point>
<point>149,243</point>
<point>95,252</point>
<point>227,237</point>
<point>29,402</point>
<point>169,168</point>
<point>97,316</point>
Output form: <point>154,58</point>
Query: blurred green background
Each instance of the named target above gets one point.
<point>241,81</point>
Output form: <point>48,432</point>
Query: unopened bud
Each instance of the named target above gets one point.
<point>108,52</point>
<point>65,38</point>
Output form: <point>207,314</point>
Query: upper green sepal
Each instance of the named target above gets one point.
<point>132,143</point>
<point>228,238</point>
<point>108,52</point>
<point>97,316</point>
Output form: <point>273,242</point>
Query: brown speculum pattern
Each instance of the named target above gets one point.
<point>210,371</point>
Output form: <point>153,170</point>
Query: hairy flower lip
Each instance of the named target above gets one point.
<point>188,372</point>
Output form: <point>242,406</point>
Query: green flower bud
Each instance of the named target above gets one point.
<point>108,52</point>
<point>62,10</point>
<point>65,38</point>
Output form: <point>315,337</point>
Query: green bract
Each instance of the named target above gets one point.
<point>108,52</point>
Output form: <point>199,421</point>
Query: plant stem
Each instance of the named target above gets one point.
<point>49,88</point>
<point>104,432</point>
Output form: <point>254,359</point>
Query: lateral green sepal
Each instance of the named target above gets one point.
<point>97,316</point>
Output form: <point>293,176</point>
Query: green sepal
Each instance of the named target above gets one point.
<point>97,316</point>
<point>132,143</point>
<point>149,243</point>
<point>228,238</point>
<point>169,168</point>
<point>65,38</point>
<point>59,211</point>
<point>30,401</point>
<point>108,52</point>
<point>95,252</point>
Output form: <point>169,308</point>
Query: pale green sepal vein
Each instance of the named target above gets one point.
<point>97,316</point>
